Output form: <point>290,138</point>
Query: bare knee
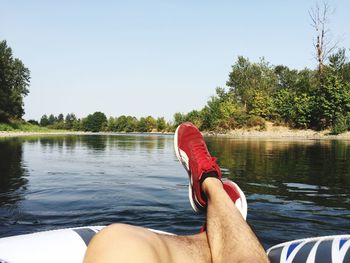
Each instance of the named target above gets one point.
<point>125,243</point>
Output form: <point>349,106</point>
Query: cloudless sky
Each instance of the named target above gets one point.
<point>151,57</point>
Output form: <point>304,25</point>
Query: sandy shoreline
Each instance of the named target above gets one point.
<point>272,131</point>
<point>287,135</point>
<point>278,133</point>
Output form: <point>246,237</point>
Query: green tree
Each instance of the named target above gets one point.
<point>222,112</point>
<point>304,81</point>
<point>295,109</point>
<point>332,101</point>
<point>14,82</point>
<point>34,122</point>
<point>131,124</point>
<point>304,104</point>
<point>147,124</point>
<point>179,118</point>
<point>345,73</point>
<point>142,126</point>
<point>60,117</point>
<point>151,123</point>
<point>286,78</point>
<point>78,125</point>
<point>262,105</point>
<point>337,60</point>
<point>211,114</point>
<point>121,123</point>
<point>339,65</point>
<point>246,78</point>
<point>112,124</point>
<point>340,125</point>
<point>161,124</point>
<point>44,121</point>
<point>52,119</point>
<point>195,117</point>
<point>95,122</point>
<point>70,120</point>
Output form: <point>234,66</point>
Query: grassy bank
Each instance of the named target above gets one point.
<point>22,126</point>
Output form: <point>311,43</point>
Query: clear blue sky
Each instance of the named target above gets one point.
<point>151,57</point>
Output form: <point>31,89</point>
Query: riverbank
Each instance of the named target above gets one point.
<point>292,134</point>
<point>270,133</point>
<point>280,132</point>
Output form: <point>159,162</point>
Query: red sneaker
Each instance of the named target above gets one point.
<point>192,152</point>
<point>237,196</point>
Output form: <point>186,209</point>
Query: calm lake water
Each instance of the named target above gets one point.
<point>295,189</point>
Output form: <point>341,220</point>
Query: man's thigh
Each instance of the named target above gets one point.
<point>125,243</point>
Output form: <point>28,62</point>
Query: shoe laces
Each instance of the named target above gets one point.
<point>200,154</point>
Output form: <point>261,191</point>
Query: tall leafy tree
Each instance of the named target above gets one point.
<point>44,121</point>
<point>52,119</point>
<point>70,120</point>
<point>262,105</point>
<point>60,117</point>
<point>121,123</point>
<point>151,123</point>
<point>246,78</point>
<point>95,122</point>
<point>161,124</point>
<point>337,60</point>
<point>294,108</point>
<point>131,124</point>
<point>332,101</point>
<point>142,126</point>
<point>222,112</point>
<point>179,118</point>
<point>14,82</point>
<point>147,124</point>
<point>339,64</point>
<point>196,117</point>
<point>112,124</point>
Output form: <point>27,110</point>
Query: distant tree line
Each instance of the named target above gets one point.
<point>257,92</point>
<point>14,82</point>
<point>98,122</point>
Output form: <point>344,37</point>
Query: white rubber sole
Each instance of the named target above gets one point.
<point>178,155</point>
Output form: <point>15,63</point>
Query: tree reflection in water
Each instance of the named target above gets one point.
<point>295,170</point>
<point>13,181</point>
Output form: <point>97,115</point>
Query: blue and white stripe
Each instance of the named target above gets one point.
<point>328,249</point>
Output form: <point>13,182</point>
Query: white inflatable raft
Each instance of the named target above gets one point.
<point>69,246</point>
<point>64,245</point>
<point>327,249</point>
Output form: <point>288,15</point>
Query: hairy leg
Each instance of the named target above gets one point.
<point>189,249</point>
<point>229,236</point>
<point>125,243</point>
